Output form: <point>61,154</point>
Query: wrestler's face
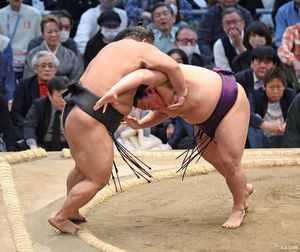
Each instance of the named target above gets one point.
<point>261,66</point>
<point>153,101</point>
<point>274,90</point>
<point>57,99</point>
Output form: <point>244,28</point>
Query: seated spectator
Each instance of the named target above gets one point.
<point>7,136</point>
<point>20,23</point>
<point>42,125</point>
<point>287,15</point>
<point>256,34</point>
<point>231,44</point>
<point>211,30</point>
<point>269,108</point>
<point>179,56</point>
<point>7,75</point>
<point>289,54</point>
<point>182,10</point>
<point>69,67</point>
<point>88,27</point>
<point>109,21</point>
<point>186,39</point>
<point>291,138</point>
<point>66,23</point>
<point>263,58</point>
<point>164,21</point>
<point>141,10</point>
<point>45,67</point>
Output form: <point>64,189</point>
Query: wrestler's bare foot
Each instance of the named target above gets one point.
<point>249,191</point>
<point>235,219</point>
<point>63,225</point>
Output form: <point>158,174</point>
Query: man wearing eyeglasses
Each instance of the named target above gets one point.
<point>230,44</point>
<point>45,67</point>
<point>186,40</point>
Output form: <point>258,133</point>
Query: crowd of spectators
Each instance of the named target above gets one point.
<point>44,44</point>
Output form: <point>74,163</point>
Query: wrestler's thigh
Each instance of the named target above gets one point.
<point>232,132</point>
<point>92,146</point>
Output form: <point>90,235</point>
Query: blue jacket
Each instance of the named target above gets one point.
<point>7,75</point>
<point>259,104</point>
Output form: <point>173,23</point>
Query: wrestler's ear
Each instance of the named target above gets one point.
<point>150,90</point>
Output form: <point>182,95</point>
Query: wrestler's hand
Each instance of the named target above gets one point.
<point>178,101</point>
<point>109,97</point>
<point>132,122</point>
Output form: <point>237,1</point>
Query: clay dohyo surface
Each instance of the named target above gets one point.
<point>167,215</point>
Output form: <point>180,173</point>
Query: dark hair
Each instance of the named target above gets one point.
<point>57,83</point>
<point>63,13</point>
<point>187,27</point>
<point>158,5</point>
<point>230,10</point>
<point>138,33</point>
<point>182,54</point>
<point>264,53</point>
<point>257,28</point>
<point>274,73</point>
<point>140,93</point>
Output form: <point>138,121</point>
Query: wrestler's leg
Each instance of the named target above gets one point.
<point>87,135</point>
<point>210,155</point>
<point>230,137</point>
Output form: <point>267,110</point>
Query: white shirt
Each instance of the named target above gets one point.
<point>220,57</point>
<point>88,26</point>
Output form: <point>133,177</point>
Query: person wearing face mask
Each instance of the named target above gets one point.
<point>66,22</point>
<point>186,39</point>
<point>110,22</point>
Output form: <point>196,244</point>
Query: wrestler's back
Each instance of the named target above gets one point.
<point>204,90</point>
<point>112,63</point>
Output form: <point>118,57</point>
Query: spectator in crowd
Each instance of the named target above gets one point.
<point>256,34</point>
<point>186,39</point>
<point>263,59</point>
<point>69,67</point>
<point>276,6</point>
<point>109,21</point>
<point>42,123</point>
<point>141,10</point>
<point>45,66</point>
<point>287,15</point>
<point>164,21</point>
<point>88,27</point>
<point>210,29</point>
<point>252,6</point>
<point>7,76</point>
<point>269,108</point>
<point>291,138</point>
<point>20,23</point>
<point>7,139</point>
<point>289,54</point>
<point>230,44</point>
<point>66,23</point>
<point>74,7</point>
<point>182,10</point>
<point>178,55</point>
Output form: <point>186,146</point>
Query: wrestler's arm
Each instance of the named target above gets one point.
<point>152,119</point>
<point>130,81</point>
<point>153,58</point>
